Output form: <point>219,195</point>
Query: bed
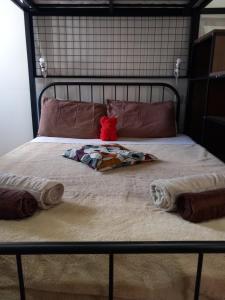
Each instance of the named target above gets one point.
<point>107,240</point>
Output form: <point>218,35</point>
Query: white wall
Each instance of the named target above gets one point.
<point>211,22</point>
<point>216,3</point>
<point>15,108</point>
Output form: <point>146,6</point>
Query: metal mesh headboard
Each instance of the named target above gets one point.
<point>101,91</point>
<point>85,46</point>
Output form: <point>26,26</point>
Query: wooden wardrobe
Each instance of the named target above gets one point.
<point>205,114</point>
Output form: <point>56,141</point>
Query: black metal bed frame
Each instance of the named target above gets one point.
<point>111,248</point>
<point>193,9</point>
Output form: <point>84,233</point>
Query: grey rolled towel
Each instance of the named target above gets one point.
<point>48,193</point>
<point>164,192</point>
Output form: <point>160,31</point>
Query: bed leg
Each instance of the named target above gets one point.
<point>111,271</point>
<point>198,276</point>
<point>20,276</point>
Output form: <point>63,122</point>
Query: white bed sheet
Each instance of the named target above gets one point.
<point>178,140</point>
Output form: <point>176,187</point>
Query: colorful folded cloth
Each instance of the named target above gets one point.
<point>203,206</point>
<point>47,192</point>
<point>165,191</point>
<point>16,204</point>
<point>107,157</point>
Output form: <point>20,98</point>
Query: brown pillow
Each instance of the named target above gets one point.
<point>143,120</point>
<point>61,118</point>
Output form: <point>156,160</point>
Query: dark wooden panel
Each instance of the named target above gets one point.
<point>201,58</point>
<point>219,54</point>
<point>196,109</point>
<point>216,97</point>
<point>214,135</point>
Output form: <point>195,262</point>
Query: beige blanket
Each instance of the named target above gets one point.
<point>112,206</point>
<point>165,191</point>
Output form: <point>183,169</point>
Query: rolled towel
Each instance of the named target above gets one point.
<point>16,204</point>
<point>203,206</point>
<point>165,191</point>
<point>47,192</point>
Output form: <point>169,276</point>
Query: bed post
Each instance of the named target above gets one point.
<point>31,68</point>
<point>198,276</point>
<point>111,273</point>
<point>20,276</point>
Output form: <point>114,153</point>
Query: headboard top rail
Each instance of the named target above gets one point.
<point>139,86</point>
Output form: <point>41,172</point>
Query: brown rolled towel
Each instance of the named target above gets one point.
<point>15,204</point>
<point>202,206</point>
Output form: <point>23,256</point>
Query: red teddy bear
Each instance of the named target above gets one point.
<point>108,129</point>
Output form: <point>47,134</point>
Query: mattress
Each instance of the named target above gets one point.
<point>179,139</point>
<point>111,206</point>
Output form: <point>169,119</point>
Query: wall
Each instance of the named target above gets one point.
<point>216,3</point>
<point>210,22</point>
<point>15,110</point>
